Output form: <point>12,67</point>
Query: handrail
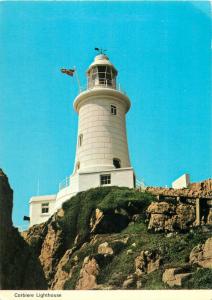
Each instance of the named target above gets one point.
<point>140,184</point>
<point>102,85</point>
<point>64,183</point>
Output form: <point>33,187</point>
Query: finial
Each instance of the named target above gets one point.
<point>100,50</point>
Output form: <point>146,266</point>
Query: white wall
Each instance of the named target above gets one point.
<point>119,177</point>
<point>36,217</point>
<point>85,181</point>
<point>104,134</point>
<point>181,182</point>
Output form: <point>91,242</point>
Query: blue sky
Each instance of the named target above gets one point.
<point>162,51</point>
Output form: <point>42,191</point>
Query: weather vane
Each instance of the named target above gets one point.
<point>100,50</point>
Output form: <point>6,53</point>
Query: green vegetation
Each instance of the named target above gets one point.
<point>123,198</point>
<point>126,206</point>
<point>173,249</point>
<point>201,279</point>
<point>80,208</point>
<point>153,281</point>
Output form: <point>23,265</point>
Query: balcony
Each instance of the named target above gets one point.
<point>102,84</point>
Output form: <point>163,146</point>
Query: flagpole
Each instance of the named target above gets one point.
<point>38,186</point>
<point>78,81</point>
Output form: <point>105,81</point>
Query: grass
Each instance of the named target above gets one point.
<point>153,281</point>
<point>201,279</point>
<point>79,209</point>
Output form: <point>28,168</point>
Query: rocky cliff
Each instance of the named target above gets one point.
<point>117,238</point>
<point>19,266</point>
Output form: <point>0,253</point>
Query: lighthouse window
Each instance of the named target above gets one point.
<point>102,74</point>
<point>44,208</point>
<point>105,179</point>
<point>80,140</point>
<point>117,163</point>
<point>113,109</point>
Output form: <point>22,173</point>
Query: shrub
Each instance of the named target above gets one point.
<point>201,279</point>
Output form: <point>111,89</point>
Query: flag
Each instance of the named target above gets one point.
<point>69,72</point>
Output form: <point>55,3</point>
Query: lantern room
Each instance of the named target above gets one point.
<point>101,73</point>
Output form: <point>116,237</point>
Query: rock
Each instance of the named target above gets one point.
<point>94,222</point>
<point>209,219</point>
<point>35,236</point>
<point>88,275</point>
<point>138,284</point>
<point>202,254</point>
<point>137,218</point>
<point>169,218</point>
<point>105,249</point>
<point>175,276</point>
<point>198,189</point>
<point>19,266</point>
<point>170,234</point>
<point>62,275</point>
<point>60,213</point>
<point>202,187</point>
<point>52,248</point>
<point>157,222</point>
<point>129,282</point>
<point>161,208</point>
<point>108,222</point>
<point>186,215</point>
<point>6,204</point>
<point>147,262</point>
<point>153,265</point>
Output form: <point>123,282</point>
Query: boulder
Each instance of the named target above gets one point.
<point>157,222</point>
<point>175,276</point>
<point>161,208</point>
<point>129,282</point>
<point>202,254</point>
<point>186,216</point>
<point>169,218</point>
<point>147,262</point>
<point>105,249</point>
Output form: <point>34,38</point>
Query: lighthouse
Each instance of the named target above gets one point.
<point>102,155</point>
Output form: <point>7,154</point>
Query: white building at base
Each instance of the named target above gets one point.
<point>102,156</point>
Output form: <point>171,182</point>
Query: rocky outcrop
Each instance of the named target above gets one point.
<point>168,217</point>
<point>62,275</point>
<point>19,265</point>
<point>202,254</point>
<point>147,262</point>
<point>202,188</point>
<point>175,276</point>
<point>6,204</point>
<point>106,222</point>
<point>35,237</point>
<point>88,274</point>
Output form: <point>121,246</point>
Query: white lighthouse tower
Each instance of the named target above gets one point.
<point>102,156</point>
